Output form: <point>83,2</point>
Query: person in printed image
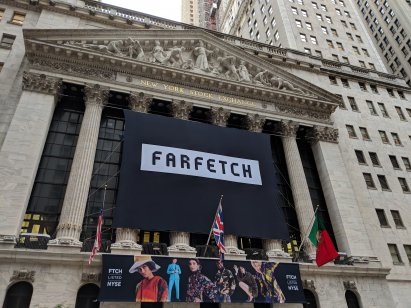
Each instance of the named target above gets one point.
<point>225,283</point>
<point>200,288</point>
<point>246,282</point>
<point>266,281</point>
<point>152,288</point>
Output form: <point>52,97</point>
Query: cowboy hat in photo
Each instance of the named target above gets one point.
<point>141,260</point>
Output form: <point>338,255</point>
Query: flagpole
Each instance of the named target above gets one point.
<point>211,229</point>
<point>308,229</point>
<point>97,240</point>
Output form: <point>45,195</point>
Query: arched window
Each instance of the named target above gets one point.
<point>18,295</point>
<point>352,300</point>
<point>311,302</point>
<point>87,296</point>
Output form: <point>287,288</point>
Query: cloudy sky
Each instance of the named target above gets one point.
<point>170,9</point>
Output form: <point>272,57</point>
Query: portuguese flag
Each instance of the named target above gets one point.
<point>321,239</point>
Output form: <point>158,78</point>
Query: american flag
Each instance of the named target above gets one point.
<point>97,242</point>
<point>218,230</point>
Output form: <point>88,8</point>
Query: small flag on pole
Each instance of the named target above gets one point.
<point>320,238</point>
<point>218,230</point>
<point>97,242</point>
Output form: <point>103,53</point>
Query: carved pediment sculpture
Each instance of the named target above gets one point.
<point>195,56</point>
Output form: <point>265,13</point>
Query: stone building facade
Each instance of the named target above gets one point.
<point>73,65</point>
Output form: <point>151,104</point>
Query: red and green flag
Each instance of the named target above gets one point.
<point>321,239</point>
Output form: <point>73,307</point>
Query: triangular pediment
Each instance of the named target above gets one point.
<point>183,53</point>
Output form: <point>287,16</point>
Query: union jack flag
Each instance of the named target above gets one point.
<point>97,242</point>
<point>218,230</point>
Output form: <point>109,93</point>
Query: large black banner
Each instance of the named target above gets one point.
<point>173,173</point>
<point>161,279</point>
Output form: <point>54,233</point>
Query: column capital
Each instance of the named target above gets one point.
<point>41,83</point>
<point>140,102</point>
<point>288,128</point>
<point>255,122</point>
<point>95,94</point>
<point>322,133</point>
<point>219,116</point>
<point>181,109</point>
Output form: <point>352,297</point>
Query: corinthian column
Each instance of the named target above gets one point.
<point>299,187</point>
<point>21,151</point>
<point>75,200</point>
<point>180,241</point>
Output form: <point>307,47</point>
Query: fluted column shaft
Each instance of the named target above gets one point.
<point>298,182</point>
<point>75,200</point>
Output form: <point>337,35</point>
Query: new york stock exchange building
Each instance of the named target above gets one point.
<point>154,124</point>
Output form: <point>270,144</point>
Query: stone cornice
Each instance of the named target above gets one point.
<point>41,83</point>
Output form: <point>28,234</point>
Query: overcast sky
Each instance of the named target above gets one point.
<point>170,9</point>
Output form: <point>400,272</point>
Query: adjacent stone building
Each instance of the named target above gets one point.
<point>341,140</point>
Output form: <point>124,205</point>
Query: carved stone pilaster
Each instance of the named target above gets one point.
<point>41,83</point>
<point>320,133</point>
<point>219,116</point>
<point>308,284</point>
<point>287,128</point>
<point>350,285</point>
<point>182,109</point>
<point>23,275</point>
<point>95,94</point>
<point>90,277</point>
<point>255,122</point>
<point>140,102</point>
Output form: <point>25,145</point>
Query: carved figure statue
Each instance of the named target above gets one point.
<point>136,51</point>
<point>117,47</point>
<point>159,54</point>
<point>282,84</point>
<point>188,65</point>
<point>262,78</point>
<point>175,58</point>
<point>201,53</point>
<point>243,72</point>
<point>227,66</point>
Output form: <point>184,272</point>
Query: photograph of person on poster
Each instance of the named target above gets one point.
<point>246,282</point>
<point>225,283</point>
<point>266,281</point>
<point>151,288</point>
<point>174,271</point>
<point>199,287</point>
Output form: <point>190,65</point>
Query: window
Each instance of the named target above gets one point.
<point>402,96</point>
<point>18,18</point>
<point>342,3</point>
<point>303,37</point>
<point>360,157</point>
<point>356,50</point>
<point>335,57</point>
<point>318,53</point>
<point>407,249</point>
<point>371,108</point>
<point>362,85</point>
<point>328,19</point>
<point>300,2</point>
<point>362,64</point>
<point>273,22</point>
<point>394,162</point>
<point>330,44</point>
<point>1,66</point>
<point>294,10</point>
<point>395,255</point>
<point>333,80</point>
<point>352,103</point>
<point>364,133</point>
<point>345,60</point>
<point>268,33</point>
<point>319,17</point>
<point>323,8</point>
<point>338,11</point>
<point>314,40</point>
<point>262,9</point>
<point>368,180</point>
<point>339,45</point>
<point>265,20</point>
<point>304,13</point>
<point>276,36</point>
<point>347,14</point>
<point>382,218</point>
<point>324,30</point>
<point>1,14</point>
<point>344,23</point>
<point>7,41</point>
<point>365,52</point>
<point>374,88</point>
<point>298,23</point>
<point>349,35</point>
<point>404,185</point>
<point>353,26</point>
<point>315,5</point>
<point>270,10</point>
<point>400,113</point>
<point>351,131</point>
<point>390,92</point>
<point>307,50</point>
<point>334,32</point>
<point>383,182</point>
<point>384,137</point>
<point>309,26</point>
<point>396,138</point>
<point>397,219</point>
<point>374,159</point>
<point>407,163</point>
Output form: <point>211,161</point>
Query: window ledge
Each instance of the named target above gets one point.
<point>15,23</point>
<point>5,47</point>
<point>384,189</point>
<point>401,227</point>
<point>372,188</point>
<point>385,226</point>
<point>407,192</point>
<point>398,263</point>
